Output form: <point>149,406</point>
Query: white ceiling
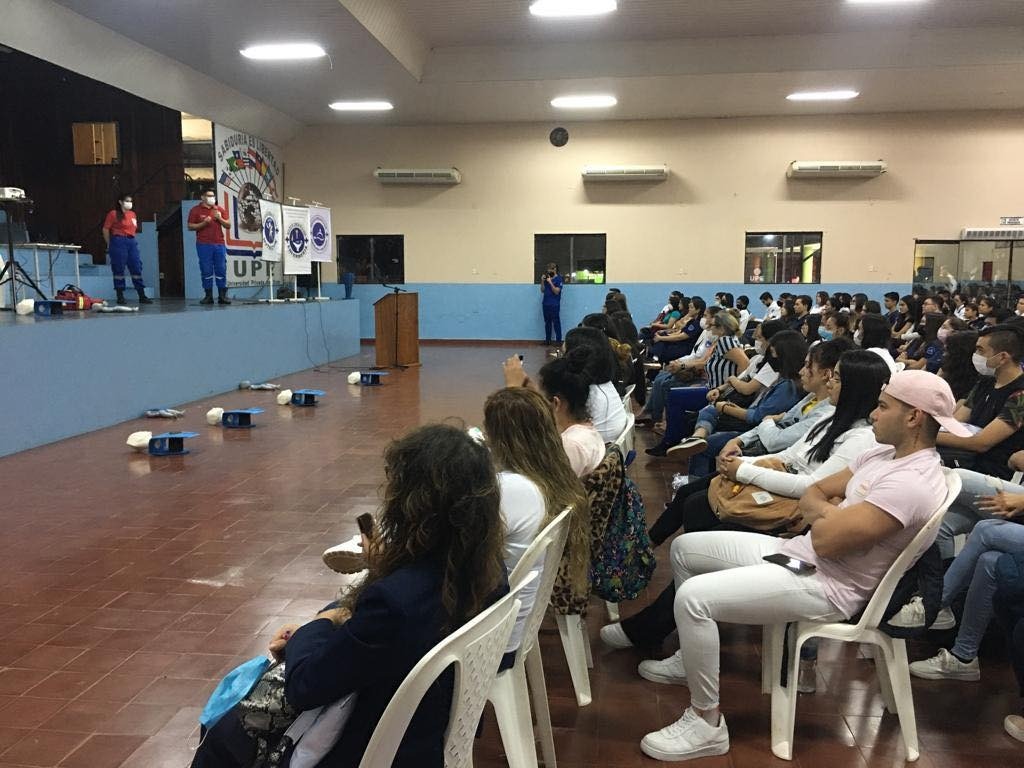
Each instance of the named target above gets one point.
<point>490,61</point>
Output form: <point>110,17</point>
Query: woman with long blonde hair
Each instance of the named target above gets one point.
<point>527,449</point>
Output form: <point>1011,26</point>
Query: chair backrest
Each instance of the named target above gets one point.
<point>475,650</point>
<point>549,545</point>
<point>623,439</point>
<point>876,606</point>
<point>628,392</point>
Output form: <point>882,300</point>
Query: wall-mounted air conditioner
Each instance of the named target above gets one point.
<point>835,169</point>
<point>625,172</point>
<point>992,233</point>
<point>418,175</point>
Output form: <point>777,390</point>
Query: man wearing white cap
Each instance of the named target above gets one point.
<point>889,493</point>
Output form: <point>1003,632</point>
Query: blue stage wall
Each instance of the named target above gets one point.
<point>512,311</point>
<point>66,376</point>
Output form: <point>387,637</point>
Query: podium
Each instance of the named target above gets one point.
<point>397,330</point>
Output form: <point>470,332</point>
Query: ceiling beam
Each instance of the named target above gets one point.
<point>393,29</point>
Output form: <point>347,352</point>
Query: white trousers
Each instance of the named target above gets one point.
<point>720,576</point>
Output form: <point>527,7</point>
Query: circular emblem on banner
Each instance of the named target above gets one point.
<point>318,233</point>
<point>270,231</point>
<point>297,241</point>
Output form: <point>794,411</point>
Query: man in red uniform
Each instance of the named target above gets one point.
<point>208,220</point>
<point>119,230</point>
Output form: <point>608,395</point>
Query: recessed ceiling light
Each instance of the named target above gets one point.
<point>591,101</point>
<point>362,106</point>
<point>283,51</point>
<point>842,95</point>
<point>572,8</point>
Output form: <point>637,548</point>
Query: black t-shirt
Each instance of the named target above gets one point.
<point>988,403</point>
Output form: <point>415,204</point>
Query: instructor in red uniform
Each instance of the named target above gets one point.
<point>119,230</point>
<point>208,220</point>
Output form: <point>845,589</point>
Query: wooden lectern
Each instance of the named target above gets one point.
<point>397,330</point>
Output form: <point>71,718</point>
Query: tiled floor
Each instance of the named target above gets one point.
<point>130,584</point>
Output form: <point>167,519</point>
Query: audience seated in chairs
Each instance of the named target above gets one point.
<point>434,563</point>
<point>601,369</point>
<point>679,340</point>
<point>888,494</point>
<point>925,351</point>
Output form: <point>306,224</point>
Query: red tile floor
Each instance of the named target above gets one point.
<point>130,584</point>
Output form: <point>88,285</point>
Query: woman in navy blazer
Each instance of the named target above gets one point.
<point>434,563</point>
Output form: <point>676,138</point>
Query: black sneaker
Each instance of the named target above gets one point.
<point>206,299</point>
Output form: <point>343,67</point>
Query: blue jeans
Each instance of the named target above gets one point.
<point>973,570</point>
<point>703,464</point>
<point>964,513</point>
<point>213,264</point>
<point>680,401</point>
<point>658,395</point>
<point>124,252</point>
<point>552,319</point>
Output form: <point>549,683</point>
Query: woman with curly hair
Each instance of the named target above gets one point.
<point>434,563</point>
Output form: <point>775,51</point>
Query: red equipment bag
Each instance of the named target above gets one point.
<point>75,298</point>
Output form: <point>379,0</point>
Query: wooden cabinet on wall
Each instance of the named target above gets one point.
<point>38,150</point>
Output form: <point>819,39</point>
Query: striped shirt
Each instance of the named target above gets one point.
<point>719,368</point>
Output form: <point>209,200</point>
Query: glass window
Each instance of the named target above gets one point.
<point>783,257</point>
<point>580,258</point>
<point>373,258</point>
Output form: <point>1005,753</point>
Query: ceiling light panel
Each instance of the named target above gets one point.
<point>837,95</point>
<point>570,9</point>
<point>362,106</point>
<point>585,101</point>
<point>283,51</point>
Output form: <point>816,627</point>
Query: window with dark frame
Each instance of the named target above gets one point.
<point>372,258</point>
<point>581,258</point>
<point>790,258</point>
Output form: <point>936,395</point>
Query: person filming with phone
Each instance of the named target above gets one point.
<point>827,574</point>
<point>551,303</point>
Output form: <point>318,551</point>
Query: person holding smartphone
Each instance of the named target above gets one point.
<point>889,493</point>
<point>551,303</point>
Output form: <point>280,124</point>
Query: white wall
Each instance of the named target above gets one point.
<point>946,171</point>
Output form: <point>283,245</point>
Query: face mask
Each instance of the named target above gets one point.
<point>825,334</point>
<point>704,323</point>
<point>981,365</point>
<point>232,689</point>
<point>127,205</point>
<point>943,334</point>
<point>211,200</point>
<point>760,346</point>
<point>858,337</point>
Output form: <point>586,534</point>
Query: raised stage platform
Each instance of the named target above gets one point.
<point>64,376</point>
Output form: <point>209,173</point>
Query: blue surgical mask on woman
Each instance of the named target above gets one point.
<point>825,334</point>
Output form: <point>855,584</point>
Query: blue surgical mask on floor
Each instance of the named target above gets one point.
<point>232,689</point>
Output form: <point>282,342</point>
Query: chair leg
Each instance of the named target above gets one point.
<point>541,710</point>
<point>512,711</point>
<point>587,650</point>
<point>575,654</point>
<point>883,671</point>
<point>903,695</point>
<point>772,636</point>
<point>784,699</point>
<point>613,611</point>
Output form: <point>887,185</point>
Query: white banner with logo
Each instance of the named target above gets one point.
<point>248,170</point>
<point>320,237</point>
<point>270,215</point>
<point>296,240</point>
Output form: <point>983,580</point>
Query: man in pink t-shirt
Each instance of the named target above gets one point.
<point>888,493</point>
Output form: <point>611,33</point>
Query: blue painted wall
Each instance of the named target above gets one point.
<point>509,311</point>
<point>96,279</point>
<point>77,375</point>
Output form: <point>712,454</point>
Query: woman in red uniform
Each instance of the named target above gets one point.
<point>119,230</point>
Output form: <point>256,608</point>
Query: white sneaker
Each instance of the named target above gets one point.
<point>1014,726</point>
<point>946,666</point>
<point>668,671</point>
<point>911,616</point>
<point>687,738</point>
<point>347,557</point>
<point>614,636</point>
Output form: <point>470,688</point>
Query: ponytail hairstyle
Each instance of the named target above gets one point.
<point>523,438</point>
<point>566,378</point>
<point>862,375</point>
<point>441,507</point>
<point>601,366</point>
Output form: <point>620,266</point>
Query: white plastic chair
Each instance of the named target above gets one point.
<point>890,663</point>
<point>475,650</point>
<point>509,693</point>
<point>627,393</point>
<point>572,629</point>
<point>625,440</point>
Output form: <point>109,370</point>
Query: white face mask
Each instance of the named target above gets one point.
<point>703,323</point>
<point>210,200</point>
<point>858,337</point>
<point>981,365</point>
<point>127,205</point>
<point>760,346</point>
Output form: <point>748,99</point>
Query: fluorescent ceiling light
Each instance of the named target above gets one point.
<point>842,95</point>
<point>572,8</point>
<point>592,101</point>
<point>362,106</point>
<point>885,2</point>
<point>283,51</point>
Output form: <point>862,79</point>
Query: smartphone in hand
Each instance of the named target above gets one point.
<point>365,523</point>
